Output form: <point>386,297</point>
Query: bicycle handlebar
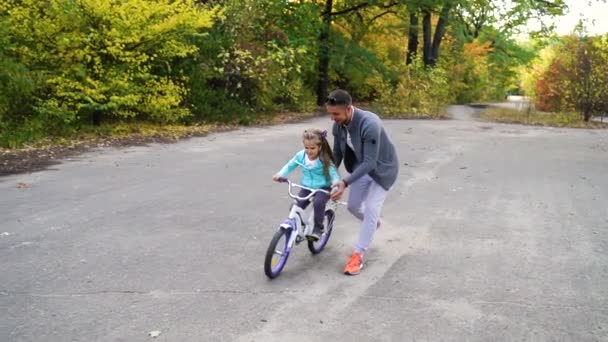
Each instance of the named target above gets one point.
<point>294,185</point>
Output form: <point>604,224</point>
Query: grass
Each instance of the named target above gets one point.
<point>91,135</point>
<point>416,116</point>
<point>533,118</point>
<point>123,133</point>
<point>386,112</point>
<point>32,136</point>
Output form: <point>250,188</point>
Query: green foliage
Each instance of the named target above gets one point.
<point>355,67</point>
<point>16,85</point>
<point>258,57</point>
<point>420,92</point>
<point>111,58</point>
<point>65,64</point>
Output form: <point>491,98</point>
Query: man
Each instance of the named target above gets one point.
<point>370,158</point>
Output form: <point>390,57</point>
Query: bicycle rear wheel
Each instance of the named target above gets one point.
<point>277,254</point>
<point>316,247</point>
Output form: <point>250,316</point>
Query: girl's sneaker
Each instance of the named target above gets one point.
<point>317,231</point>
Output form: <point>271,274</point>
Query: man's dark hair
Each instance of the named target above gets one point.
<point>339,97</point>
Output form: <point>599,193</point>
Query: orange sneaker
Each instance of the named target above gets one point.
<point>355,264</point>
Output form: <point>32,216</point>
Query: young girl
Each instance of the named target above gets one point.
<point>318,172</point>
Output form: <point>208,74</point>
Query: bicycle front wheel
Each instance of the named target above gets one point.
<point>277,253</point>
<point>316,247</point>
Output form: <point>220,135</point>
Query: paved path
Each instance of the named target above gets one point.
<point>493,233</point>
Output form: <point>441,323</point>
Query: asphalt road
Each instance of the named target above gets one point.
<point>493,233</point>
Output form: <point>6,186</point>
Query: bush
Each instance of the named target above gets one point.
<point>109,58</point>
<point>251,64</point>
<point>421,92</point>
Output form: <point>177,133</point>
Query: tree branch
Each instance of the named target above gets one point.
<point>390,5</point>
<point>378,16</point>
<point>360,6</point>
<point>348,10</point>
<point>548,3</point>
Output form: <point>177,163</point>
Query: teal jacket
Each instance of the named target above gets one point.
<point>314,177</point>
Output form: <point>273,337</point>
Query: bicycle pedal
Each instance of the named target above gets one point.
<point>312,238</point>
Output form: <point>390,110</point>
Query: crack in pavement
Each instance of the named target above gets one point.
<point>155,293</point>
<point>496,303</point>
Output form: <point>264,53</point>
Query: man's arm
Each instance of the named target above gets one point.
<point>337,152</point>
<point>371,147</point>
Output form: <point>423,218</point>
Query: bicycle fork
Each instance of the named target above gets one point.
<point>290,225</point>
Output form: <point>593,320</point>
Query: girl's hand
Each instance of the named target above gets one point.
<point>276,177</point>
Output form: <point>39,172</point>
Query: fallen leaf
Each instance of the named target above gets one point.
<point>154,333</point>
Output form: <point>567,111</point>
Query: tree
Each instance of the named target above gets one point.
<point>431,40</point>
<point>588,81</point>
<point>323,75</point>
<point>572,75</point>
<point>472,16</point>
<point>328,15</point>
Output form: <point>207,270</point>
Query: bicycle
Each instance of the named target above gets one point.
<point>295,230</point>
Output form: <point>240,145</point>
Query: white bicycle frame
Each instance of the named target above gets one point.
<point>296,221</point>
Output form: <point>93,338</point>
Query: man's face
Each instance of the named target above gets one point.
<point>340,114</point>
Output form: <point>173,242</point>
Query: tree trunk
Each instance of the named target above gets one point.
<point>439,32</point>
<point>426,37</point>
<point>96,117</point>
<point>583,87</point>
<point>412,44</point>
<point>323,71</point>
<point>587,116</point>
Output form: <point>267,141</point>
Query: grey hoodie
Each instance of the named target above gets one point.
<point>373,149</point>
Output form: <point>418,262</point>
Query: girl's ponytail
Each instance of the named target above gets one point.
<point>326,155</point>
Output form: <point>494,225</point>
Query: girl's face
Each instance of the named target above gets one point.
<point>312,149</point>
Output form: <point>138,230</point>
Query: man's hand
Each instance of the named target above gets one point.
<point>276,177</point>
<point>338,191</point>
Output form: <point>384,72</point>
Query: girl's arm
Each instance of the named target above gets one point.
<point>333,173</point>
<point>290,166</point>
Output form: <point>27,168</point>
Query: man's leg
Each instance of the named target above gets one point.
<point>356,199</point>
<point>357,193</point>
<point>372,204</point>
<point>372,208</point>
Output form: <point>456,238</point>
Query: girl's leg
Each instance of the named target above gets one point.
<point>303,193</point>
<point>319,203</point>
